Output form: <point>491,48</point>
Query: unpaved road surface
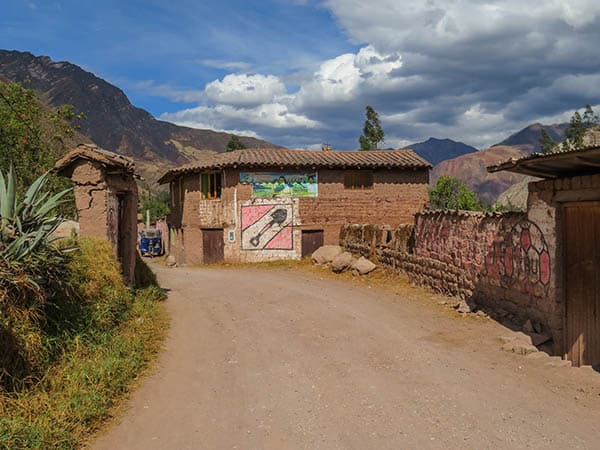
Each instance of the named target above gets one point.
<point>282,359</point>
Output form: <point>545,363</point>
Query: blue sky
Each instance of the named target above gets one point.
<point>300,72</point>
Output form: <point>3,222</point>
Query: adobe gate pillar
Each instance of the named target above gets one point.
<point>106,199</point>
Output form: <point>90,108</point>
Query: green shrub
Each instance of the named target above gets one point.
<point>80,351</point>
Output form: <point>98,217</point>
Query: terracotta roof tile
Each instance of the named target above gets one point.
<point>266,158</point>
<point>94,153</point>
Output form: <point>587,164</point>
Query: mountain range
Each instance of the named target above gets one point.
<point>111,121</point>
<point>471,167</point>
<point>437,150</point>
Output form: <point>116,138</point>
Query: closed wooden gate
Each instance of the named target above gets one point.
<point>212,246</point>
<point>311,240</point>
<point>582,282</point>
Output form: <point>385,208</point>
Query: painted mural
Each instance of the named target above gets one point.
<point>281,184</point>
<point>267,227</point>
<point>512,252</point>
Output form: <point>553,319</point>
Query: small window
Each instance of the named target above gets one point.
<point>211,185</point>
<point>358,179</point>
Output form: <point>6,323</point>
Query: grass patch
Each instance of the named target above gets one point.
<point>94,345</point>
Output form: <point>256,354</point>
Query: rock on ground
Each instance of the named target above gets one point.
<point>342,262</point>
<point>326,254</point>
<point>463,307</point>
<point>362,266</point>
<point>66,229</point>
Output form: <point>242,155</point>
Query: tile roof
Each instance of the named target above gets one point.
<point>93,153</point>
<point>265,158</point>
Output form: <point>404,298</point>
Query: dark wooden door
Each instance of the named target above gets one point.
<point>311,240</point>
<point>212,246</point>
<point>582,282</point>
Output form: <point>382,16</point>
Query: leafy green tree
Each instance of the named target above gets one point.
<point>546,142</point>
<point>373,133</point>
<point>158,205</point>
<point>235,144</point>
<point>33,137</point>
<point>452,193</point>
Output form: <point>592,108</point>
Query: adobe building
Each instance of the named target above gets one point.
<point>565,207</point>
<point>106,199</point>
<point>263,204</point>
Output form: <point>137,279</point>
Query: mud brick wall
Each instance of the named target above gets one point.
<point>394,199</point>
<point>501,261</point>
<point>396,195</point>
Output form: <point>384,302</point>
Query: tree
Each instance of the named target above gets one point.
<point>574,133</point>
<point>235,144</point>
<point>158,205</point>
<point>33,137</point>
<point>578,127</point>
<point>590,119</point>
<point>373,133</point>
<point>546,142</point>
<point>452,193</point>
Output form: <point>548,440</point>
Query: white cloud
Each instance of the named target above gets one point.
<point>245,90</point>
<point>271,115</point>
<point>234,66</point>
<point>167,91</point>
<point>466,69</point>
<point>346,77</point>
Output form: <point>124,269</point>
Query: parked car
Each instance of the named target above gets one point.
<point>150,242</point>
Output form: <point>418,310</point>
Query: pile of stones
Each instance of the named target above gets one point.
<point>340,261</point>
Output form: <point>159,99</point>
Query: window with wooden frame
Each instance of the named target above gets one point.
<point>358,179</point>
<point>211,185</point>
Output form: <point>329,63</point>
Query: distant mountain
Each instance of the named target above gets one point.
<point>472,169</point>
<point>111,121</point>
<point>437,150</point>
<point>529,137</point>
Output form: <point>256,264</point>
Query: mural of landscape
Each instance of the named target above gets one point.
<point>280,184</point>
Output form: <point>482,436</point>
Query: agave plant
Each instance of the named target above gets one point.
<point>26,224</point>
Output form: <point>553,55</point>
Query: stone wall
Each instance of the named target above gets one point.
<point>503,262</point>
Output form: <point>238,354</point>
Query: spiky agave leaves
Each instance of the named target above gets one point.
<point>27,224</point>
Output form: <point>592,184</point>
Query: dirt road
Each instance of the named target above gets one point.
<point>282,359</point>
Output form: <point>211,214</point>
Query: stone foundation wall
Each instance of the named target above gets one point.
<point>503,262</point>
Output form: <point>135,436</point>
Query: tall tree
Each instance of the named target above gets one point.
<point>373,133</point>
<point>546,142</point>
<point>574,133</point>
<point>590,119</point>
<point>235,144</point>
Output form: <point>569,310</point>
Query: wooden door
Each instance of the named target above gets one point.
<point>212,246</point>
<point>311,240</point>
<point>582,282</point>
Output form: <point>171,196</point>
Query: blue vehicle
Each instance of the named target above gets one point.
<point>150,242</point>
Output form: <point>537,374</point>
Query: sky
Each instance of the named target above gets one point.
<point>300,73</point>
